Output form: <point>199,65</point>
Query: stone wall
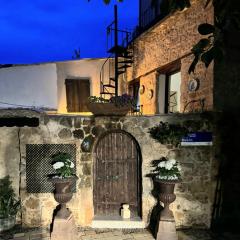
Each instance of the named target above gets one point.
<point>168,41</point>
<point>194,194</point>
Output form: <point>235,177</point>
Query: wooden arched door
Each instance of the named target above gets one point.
<point>117,172</point>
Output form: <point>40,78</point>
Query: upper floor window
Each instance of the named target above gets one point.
<point>77,91</point>
<point>150,12</point>
<point>169,91</point>
<point>133,90</point>
<point>174,82</point>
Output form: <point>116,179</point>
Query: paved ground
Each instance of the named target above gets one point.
<point>87,234</point>
<point>91,234</point>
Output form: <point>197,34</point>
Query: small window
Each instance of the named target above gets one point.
<point>78,91</point>
<point>174,92</point>
<point>169,92</point>
<point>133,90</point>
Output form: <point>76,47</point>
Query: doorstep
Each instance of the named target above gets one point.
<point>117,222</point>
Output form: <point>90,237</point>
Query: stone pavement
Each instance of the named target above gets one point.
<point>87,234</point>
<point>96,234</point>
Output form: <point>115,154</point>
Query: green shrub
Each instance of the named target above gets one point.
<point>9,205</point>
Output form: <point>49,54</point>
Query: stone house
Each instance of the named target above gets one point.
<point>59,87</point>
<point>159,78</point>
<point>162,56</point>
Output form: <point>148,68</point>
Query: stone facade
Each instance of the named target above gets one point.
<point>194,194</point>
<point>167,42</point>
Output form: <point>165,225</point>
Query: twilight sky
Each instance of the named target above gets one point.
<point>34,31</point>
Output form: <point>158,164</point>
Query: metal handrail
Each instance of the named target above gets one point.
<point>102,71</point>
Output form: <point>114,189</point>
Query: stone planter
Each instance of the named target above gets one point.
<point>166,227</point>
<point>107,109</point>
<point>63,194</point>
<point>166,196</point>
<point>7,223</point>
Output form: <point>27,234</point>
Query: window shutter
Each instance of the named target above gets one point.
<point>78,91</point>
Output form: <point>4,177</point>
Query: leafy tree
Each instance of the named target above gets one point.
<point>214,42</point>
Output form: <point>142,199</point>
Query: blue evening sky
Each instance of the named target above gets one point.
<point>34,31</point>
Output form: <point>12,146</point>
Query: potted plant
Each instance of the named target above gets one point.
<point>168,134</point>
<point>9,205</point>
<point>62,181</point>
<point>117,106</point>
<point>167,174</point>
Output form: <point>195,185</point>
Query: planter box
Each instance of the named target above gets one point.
<point>107,109</point>
<point>7,223</point>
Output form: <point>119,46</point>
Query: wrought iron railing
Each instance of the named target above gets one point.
<point>107,73</point>
<point>124,37</point>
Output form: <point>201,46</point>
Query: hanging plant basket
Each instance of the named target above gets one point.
<point>108,109</point>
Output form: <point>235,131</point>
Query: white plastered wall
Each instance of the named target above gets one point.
<point>78,69</point>
<point>30,85</point>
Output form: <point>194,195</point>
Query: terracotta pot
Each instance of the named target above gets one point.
<point>166,196</point>
<point>107,109</point>
<point>63,194</point>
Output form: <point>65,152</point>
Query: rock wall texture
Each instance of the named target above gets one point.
<point>194,194</point>
<point>168,41</point>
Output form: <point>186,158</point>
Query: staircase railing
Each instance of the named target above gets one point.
<point>106,73</point>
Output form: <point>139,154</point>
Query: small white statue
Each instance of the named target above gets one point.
<point>125,211</point>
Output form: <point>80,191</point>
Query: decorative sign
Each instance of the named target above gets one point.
<point>197,139</point>
<point>150,94</point>
<point>193,85</point>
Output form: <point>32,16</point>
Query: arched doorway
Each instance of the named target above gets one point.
<point>117,174</point>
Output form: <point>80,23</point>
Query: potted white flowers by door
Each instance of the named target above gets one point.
<point>62,181</point>
<point>167,174</point>
<point>63,165</point>
<point>168,170</point>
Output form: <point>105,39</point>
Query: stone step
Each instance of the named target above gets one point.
<point>116,222</point>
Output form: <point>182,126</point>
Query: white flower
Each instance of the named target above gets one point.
<point>72,165</point>
<point>168,165</point>
<point>58,165</point>
<point>161,164</point>
<point>179,168</point>
<point>173,161</point>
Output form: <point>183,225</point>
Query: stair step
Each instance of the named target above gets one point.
<point>124,66</point>
<point>107,93</point>
<point>117,49</point>
<point>121,72</point>
<point>127,56</point>
<point>109,85</point>
<point>126,61</point>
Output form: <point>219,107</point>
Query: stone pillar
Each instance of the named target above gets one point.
<point>64,229</point>
<point>167,230</point>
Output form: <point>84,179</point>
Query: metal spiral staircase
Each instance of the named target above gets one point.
<point>120,58</point>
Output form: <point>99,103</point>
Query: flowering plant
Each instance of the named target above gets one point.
<point>63,165</point>
<point>119,101</point>
<point>168,169</point>
<point>123,100</point>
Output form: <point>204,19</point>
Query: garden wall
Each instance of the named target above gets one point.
<point>194,194</point>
